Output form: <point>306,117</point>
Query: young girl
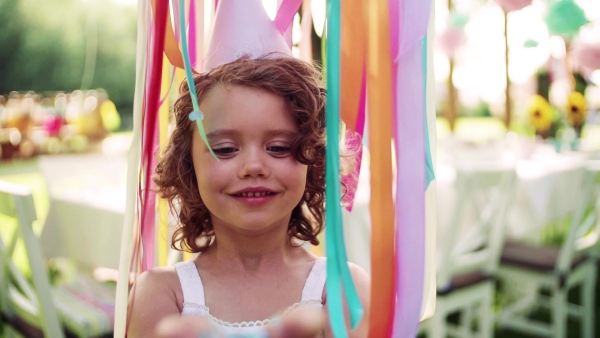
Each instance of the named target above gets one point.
<point>248,212</point>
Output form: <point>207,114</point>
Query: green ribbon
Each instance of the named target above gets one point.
<point>196,115</point>
<point>429,174</point>
<point>337,260</point>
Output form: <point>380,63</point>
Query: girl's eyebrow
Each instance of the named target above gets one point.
<point>221,133</point>
<point>271,133</point>
<point>282,132</point>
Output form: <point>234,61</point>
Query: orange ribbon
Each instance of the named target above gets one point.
<point>379,79</point>
<point>353,55</point>
<point>171,49</point>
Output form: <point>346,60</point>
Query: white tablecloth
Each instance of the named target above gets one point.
<point>532,206</point>
<point>87,206</point>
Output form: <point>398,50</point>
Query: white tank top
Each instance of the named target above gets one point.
<point>194,301</point>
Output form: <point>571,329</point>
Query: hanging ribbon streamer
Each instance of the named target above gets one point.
<point>171,47</point>
<point>379,91</point>
<point>285,14</point>
<point>306,26</point>
<point>411,158</point>
<point>128,237</point>
<point>429,287</point>
<point>162,240</point>
<point>150,134</point>
<point>362,103</point>
<point>196,114</point>
<point>338,273</point>
<point>353,61</point>
<point>430,173</point>
<point>352,85</point>
<point>192,34</point>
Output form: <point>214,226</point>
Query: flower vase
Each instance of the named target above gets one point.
<point>543,134</point>
<point>578,131</point>
<point>577,139</point>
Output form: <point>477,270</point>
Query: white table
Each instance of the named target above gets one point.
<point>87,206</point>
<point>533,205</point>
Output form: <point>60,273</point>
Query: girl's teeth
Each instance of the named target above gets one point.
<point>255,194</point>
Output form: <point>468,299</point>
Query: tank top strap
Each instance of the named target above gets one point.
<point>315,283</point>
<point>191,283</point>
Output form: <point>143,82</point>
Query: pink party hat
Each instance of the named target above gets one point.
<point>242,27</point>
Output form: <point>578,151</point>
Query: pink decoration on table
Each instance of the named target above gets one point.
<point>52,124</point>
<point>586,56</point>
<point>513,5</point>
<point>452,39</point>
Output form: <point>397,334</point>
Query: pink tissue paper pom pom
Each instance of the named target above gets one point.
<point>586,56</point>
<point>452,39</point>
<point>513,5</point>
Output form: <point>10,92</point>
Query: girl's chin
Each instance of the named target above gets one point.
<point>253,228</point>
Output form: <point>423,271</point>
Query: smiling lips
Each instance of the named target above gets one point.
<point>254,196</point>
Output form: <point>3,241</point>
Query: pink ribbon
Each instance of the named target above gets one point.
<point>285,17</point>
<point>150,133</point>
<point>409,21</point>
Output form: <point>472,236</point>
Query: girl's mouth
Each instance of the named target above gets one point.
<point>254,198</point>
<point>254,194</point>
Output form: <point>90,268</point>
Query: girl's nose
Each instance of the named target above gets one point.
<point>254,165</point>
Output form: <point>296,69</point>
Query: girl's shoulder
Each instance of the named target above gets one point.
<point>158,275</point>
<point>160,281</point>
<point>155,294</point>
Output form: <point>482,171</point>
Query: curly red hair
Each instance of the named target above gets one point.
<point>300,84</point>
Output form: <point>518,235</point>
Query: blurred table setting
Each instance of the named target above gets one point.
<point>539,168</point>
<point>86,203</point>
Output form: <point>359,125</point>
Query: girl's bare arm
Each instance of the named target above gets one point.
<point>152,299</point>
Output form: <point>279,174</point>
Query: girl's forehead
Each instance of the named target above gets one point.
<point>240,108</point>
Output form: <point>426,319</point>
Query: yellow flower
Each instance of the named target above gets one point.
<point>576,109</point>
<point>540,113</point>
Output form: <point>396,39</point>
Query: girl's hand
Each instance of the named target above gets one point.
<point>300,323</point>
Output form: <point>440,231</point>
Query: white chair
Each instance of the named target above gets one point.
<point>589,233</point>
<point>469,252</point>
<point>544,275</point>
<point>27,307</point>
<point>37,308</point>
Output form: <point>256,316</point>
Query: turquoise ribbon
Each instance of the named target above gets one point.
<point>196,114</point>
<point>430,173</point>
<point>338,273</point>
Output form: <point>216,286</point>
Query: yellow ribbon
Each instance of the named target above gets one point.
<point>162,240</point>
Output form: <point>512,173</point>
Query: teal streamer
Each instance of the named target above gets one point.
<point>337,266</point>
<point>429,174</point>
<point>199,116</point>
<point>334,294</point>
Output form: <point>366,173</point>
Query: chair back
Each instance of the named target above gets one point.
<point>569,202</point>
<point>589,233</point>
<point>475,233</point>
<point>17,214</point>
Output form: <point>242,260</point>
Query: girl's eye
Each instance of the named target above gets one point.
<point>224,150</point>
<point>280,150</point>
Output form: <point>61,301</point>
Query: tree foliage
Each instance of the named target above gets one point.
<point>64,45</point>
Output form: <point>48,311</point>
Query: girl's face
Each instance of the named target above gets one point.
<point>256,183</point>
